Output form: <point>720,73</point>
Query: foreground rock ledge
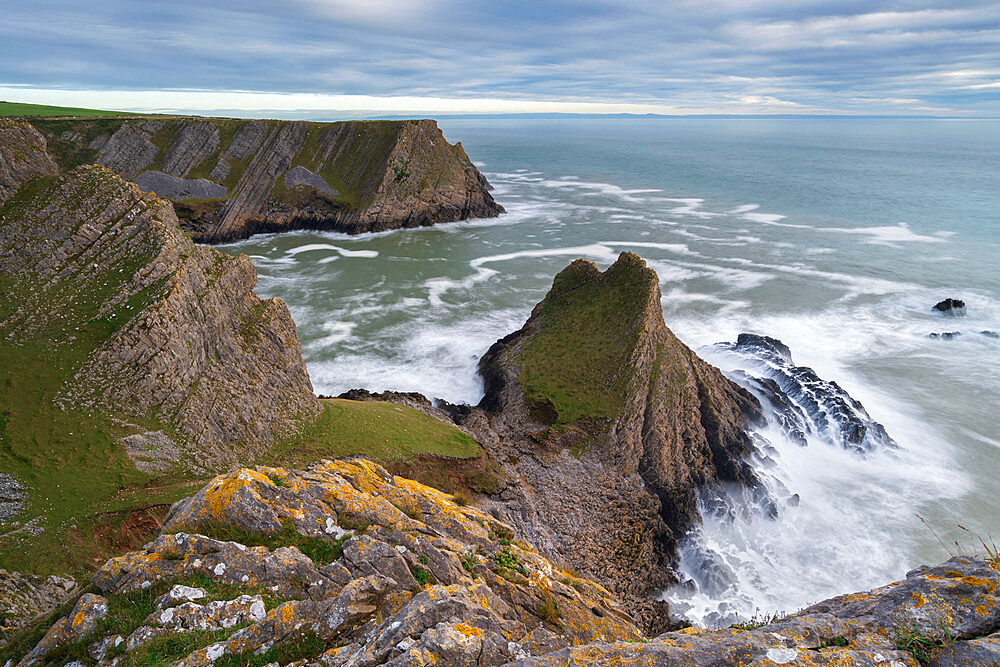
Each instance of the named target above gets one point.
<point>402,575</point>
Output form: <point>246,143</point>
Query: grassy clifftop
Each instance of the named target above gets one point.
<point>230,178</point>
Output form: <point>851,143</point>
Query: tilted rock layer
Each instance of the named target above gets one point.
<point>608,426</point>
<point>180,338</point>
<point>23,156</point>
<point>232,178</point>
<point>400,574</point>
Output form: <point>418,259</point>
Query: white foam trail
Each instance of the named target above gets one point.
<point>343,252</point>
<point>601,189</point>
<point>338,332</point>
<point>890,235</point>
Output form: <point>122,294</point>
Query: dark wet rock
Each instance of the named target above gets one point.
<point>953,307</point>
<point>990,334</point>
<point>804,403</point>
<point>947,335</point>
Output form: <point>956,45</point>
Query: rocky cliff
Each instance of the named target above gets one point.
<point>173,336</point>
<point>344,564</point>
<point>609,427</point>
<point>23,157</point>
<point>230,178</point>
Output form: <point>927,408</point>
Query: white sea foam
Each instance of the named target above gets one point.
<point>890,235</point>
<point>343,252</point>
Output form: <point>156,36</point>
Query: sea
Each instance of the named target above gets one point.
<point>836,236</point>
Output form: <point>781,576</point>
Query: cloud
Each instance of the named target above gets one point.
<point>731,56</point>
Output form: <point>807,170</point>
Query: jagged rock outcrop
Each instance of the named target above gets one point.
<point>949,306</point>
<point>231,178</point>
<point>608,426</point>
<point>804,403</point>
<point>178,337</point>
<point>23,597</point>
<point>343,564</point>
<point>23,157</point>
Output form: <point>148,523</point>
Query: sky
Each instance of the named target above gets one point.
<point>315,58</point>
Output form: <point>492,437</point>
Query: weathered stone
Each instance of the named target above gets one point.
<point>192,346</point>
<point>24,597</point>
<point>78,625</point>
<point>953,307</point>
<point>152,451</point>
<point>23,157</point>
<point>394,173</point>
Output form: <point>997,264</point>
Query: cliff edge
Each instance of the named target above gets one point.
<point>609,427</point>
<point>172,342</point>
<point>229,179</point>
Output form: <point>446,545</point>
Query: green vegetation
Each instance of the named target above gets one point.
<point>548,609</point>
<point>575,366</point>
<point>309,645</point>
<point>67,457</point>
<point>918,644</point>
<point>508,559</point>
<point>384,432</point>
<point>758,620</point>
<point>321,551</point>
<point>22,110</point>
<point>422,576</point>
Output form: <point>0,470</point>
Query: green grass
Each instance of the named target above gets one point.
<point>22,110</point>
<point>69,459</point>
<point>575,366</point>
<point>308,645</point>
<point>384,432</point>
<point>321,551</point>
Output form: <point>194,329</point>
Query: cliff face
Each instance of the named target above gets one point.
<point>344,564</point>
<point>177,338</point>
<point>23,156</point>
<point>229,178</point>
<point>609,426</point>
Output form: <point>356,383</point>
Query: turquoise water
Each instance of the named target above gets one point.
<point>836,236</point>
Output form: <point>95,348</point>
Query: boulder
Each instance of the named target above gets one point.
<point>953,307</point>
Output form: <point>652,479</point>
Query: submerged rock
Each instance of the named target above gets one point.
<point>990,334</point>
<point>953,307</point>
<point>947,335</point>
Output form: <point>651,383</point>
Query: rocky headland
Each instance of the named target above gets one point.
<point>134,361</point>
<point>229,179</point>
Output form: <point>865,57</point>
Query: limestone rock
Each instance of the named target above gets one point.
<point>609,425</point>
<point>23,157</point>
<point>185,341</point>
<point>24,597</point>
<point>232,178</point>
<point>78,625</point>
<point>408,575</point>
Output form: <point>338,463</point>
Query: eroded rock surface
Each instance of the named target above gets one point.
<point>232,178</point>
<point>400,574</point>
<point>180,338</point>
<point>607,426</point>
<point>23,156</point>
<point>26,596</point>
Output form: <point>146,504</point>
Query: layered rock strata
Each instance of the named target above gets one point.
<point>179,338</point>
<point>343,564</point>
<point>608,428</point>
<point>231,178</point>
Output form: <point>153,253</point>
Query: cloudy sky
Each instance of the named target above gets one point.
<point>438,56</point>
